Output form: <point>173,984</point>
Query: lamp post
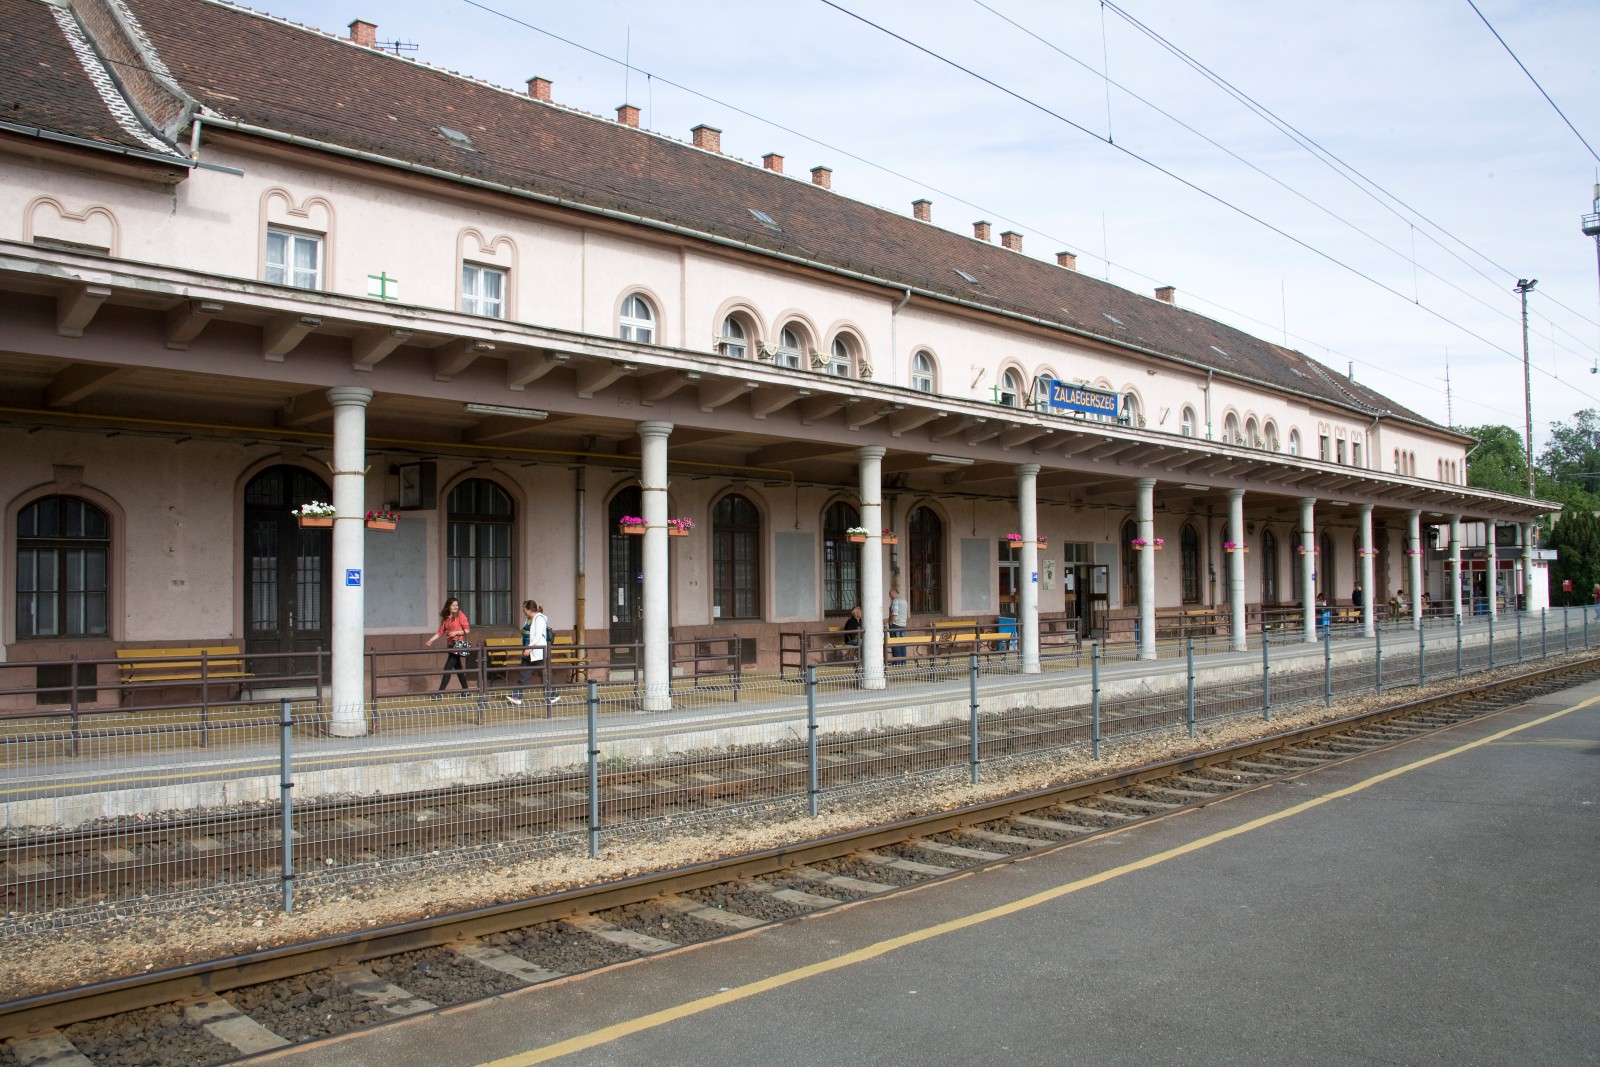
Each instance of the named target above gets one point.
<point>1525,286</point>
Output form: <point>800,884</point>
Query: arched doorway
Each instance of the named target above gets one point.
<point>288,591</point>
<point>625,573</point>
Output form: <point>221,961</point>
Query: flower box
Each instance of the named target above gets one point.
<point>381,524</point>
<point>679,527</point>
<point>857,539</point>
<point>675,531</point>
<point>1139,544</point>
<point>634,529</point>
<point>308,522</point>
<point>891,539</point>
<point>1230,547</point>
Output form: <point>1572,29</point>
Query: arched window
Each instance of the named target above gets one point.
<point>478,558</point>
<point>735,559</point>
<point>841,361</point>
<point>62,547</point>
<point>1294,442</point>
<point>1271,431</point>
<point>1009,391</point>
<point>922,373</point>
<point>1132,414</point>
<point>841,560</point>
<point>735,340</point>
<point>1269,568</point>
<point>1186,421</point>
<point>1252,433</point>
<point>790,354</point>
<point>1230,430</point>
<point>637,323</point>
<point>1189,544</point>
<point>1130,565</point>
<point>1324,567</point>
<point>926,560</point>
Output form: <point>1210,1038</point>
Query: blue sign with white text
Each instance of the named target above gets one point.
<point>1064,396</point>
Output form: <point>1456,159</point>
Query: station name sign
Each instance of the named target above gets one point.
<point>1064,396</point>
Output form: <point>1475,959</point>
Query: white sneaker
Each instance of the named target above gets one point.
<point>554,701</point>
<point>515,700</point>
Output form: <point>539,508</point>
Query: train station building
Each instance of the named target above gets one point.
<point>247,266</point>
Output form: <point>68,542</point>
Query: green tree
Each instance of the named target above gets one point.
<point>1498,461</point>
<point>1576,539</point>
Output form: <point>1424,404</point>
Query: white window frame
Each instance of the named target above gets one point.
<point>474,300</point>
<point>1186,421</point>
<point>1294,442</point>
<point>841,361</point>
<point>735,339</point>
<point>790,352</point>
<point>637,320</point>
<point>1010,386</point>
<point>923,372</point>
<point>1231,434</point>
<point>281,269</point>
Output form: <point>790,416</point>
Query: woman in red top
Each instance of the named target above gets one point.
<point>454,628</point>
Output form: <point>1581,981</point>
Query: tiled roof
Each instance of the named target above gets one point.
<point>269,73</point>
<point>50,78</point>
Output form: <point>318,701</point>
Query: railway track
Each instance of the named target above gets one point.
<point>220,1010</point>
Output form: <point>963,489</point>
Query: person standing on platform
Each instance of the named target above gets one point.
<point>454,627</point>
<point>899,614</point>
<point>1356,596</point>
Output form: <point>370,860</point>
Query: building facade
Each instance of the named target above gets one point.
<point>245,265</point>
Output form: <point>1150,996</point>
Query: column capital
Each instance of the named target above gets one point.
<point>1235,494</point>
<point>1145,483</point>
<point>1366,509</point>
<point>655,429</point>
<point>1028,469</point>
<point>871,452</point>
<point>349,395</point>
<point>1415,514</point>
<point>1308,501</point>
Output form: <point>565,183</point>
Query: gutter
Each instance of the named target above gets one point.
<point>729,242</point>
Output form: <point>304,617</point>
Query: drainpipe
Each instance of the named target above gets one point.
<point>580,590</point>
<point>1208,404</point>
<point>894,348</point>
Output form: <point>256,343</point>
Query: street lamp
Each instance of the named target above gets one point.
<point>1525,286</point>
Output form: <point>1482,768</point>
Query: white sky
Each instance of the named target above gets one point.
<point>1417,95</point>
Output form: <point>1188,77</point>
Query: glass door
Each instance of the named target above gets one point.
<point>287,572</point>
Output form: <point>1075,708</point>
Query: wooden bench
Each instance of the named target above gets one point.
<point>505,654</point>
<point>206,663</point>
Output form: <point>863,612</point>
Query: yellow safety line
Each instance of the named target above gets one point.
<point>606,1035</point>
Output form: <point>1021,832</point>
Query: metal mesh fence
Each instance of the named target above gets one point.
<point>130,813</point>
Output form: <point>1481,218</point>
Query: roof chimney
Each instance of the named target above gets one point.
<point>539,88</point>
<point>1067,260</point>
<point>365,33</point>
<point>708,138</point>
<point>822,176</point>
<point>628,115</point>
<point>980,230</point>
<point>922,210</point>
<point>773,162</point>
<point>1167,294</point>
<point>1012,240</point>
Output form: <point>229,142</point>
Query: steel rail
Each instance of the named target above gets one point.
<point>30,1015</point>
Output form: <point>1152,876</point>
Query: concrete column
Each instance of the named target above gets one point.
<point>1455,565</point>
<point>1308,565</point>
<point>1492,562</point>
<point>347,691</point>
<point>870,462</point>
<point>1028,521</point>
<point>657,581</point>
<point>1415,519</point>
<point>1368,590</point>
<point>1146,511</point>
<point>1527,570</point>
<point>1236,568</point>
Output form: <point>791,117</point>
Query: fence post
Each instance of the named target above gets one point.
<point>592,713</point>
<point>1491,643</point>
<point>1327,668</point>
<point>1460,667</point>
<point>1266,682</point>
<point>1519,640</point>
<point>972,694</point>
<point>1422,656</point>
<point>286,801</point>
<point>1544,633</point>
<point>1190,702</point>
<point>1094,685</point>
<point>1377,646</point>
<point>812,786</point>
<point>1566,629</point>
<point>1586,628</point>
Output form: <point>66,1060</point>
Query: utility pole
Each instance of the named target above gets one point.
<point>1525,286</point>
<point>1591,228</point>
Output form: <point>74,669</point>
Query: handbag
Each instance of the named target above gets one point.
<point>460,644</point>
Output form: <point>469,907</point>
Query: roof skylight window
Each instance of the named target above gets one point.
<point>765,220</point>
<point>966,277</point>
<point>457,138</point>
<point>1220,352</point>
<point>1112,318</point>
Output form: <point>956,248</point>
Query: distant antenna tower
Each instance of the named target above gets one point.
<point>1449,409</point>
<point>397,47</point>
